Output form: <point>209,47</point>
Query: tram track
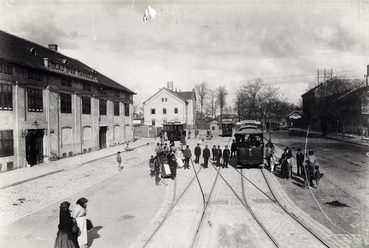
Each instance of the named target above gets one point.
<point>255,195</point>
<point>185,212</point>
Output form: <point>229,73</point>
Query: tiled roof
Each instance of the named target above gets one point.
<point>185,95</point>
<point>17,50</point>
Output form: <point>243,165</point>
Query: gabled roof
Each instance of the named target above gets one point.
<point>185,95</point>
<point>18,51</point>
<point>295,111</point>
<point>180,95</point>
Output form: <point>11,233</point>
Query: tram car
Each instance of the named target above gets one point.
<point>249,141</point>
<point>227,127</point>
<point>174,130</point>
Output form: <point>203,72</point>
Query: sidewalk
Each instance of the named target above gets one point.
<point>18,176</point>
<point>349,138</point>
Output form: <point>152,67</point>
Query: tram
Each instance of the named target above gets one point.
<point>227,127</point>
<point>249,141</point>
<point>174,130</point>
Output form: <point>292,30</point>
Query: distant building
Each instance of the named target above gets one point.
<point>168,105</point>
<point>294,119</point>
<point>53,106</point>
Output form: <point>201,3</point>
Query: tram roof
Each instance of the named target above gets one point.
<point>173,124</point>
<point>249,129</point>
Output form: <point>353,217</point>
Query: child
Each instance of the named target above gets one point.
<point>317,175</point>
<point>119,160</point>
<point>152,165</point>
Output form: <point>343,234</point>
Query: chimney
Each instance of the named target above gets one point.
<point>170,85</point>
<point>53,47</point>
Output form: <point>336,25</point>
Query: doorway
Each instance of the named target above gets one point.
<point>34,146</point>
<point>102,137</point>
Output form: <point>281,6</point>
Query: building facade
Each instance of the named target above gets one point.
<point>53,106</point>
<point>168,105</point>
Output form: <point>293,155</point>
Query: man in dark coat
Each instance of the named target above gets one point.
<point>219,155</point>
<point>187,155</point>
<point>226,153</point>
<point>233,149</point>
<point>172,164</point>
<point>299,162</point>
<point>206,155</point>
<point>214,152</point>
<point>197,153</point>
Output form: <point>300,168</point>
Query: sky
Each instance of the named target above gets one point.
<point>222,43</point>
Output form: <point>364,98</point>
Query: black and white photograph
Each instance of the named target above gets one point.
<point>184,123</point>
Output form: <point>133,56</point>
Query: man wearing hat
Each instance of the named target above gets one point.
<point>172,163</point>
<point>299,162</point>
<point>197,153</point>
<point>226,153</point>
<point>206,156</point>
<point>187,155</point>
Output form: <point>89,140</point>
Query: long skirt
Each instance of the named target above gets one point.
<point>66,240</point>
<point>82,236</point>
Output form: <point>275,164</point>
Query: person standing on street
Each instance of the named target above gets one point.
<point>299,162</point>
<point>311,162</point>
<point>233,149</point>
<point>172,161</point>
<point>189,134</point>
<point>219,155</point>
<point>269,150</point>
<point>214,152</point>
<point>152,165</point>
<point>196,133</point>
<point>197,153</point>
<point>119,161</point>
<point>79,214</point>
<point>65,236</point>
<point>206,155</point>
<point>187,155</point>
<point>158,163</point>
<point>226,153</point>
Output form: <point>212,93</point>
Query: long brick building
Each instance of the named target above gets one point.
<point>53,106</point>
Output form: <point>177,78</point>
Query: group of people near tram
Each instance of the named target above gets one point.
<point>179,157</point>
<point>307,167</point>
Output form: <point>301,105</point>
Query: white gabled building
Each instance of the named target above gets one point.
<point>168,105</point>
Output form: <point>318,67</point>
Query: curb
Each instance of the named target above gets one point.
<point>60,170</point>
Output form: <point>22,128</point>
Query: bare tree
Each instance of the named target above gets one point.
<point>202,91</point>
<point>213,103</point>
<point>221,94</point>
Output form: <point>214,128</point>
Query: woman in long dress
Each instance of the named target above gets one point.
<point>65,237</point>
<point>79,214</point>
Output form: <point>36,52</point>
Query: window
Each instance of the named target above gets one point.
<point>126,109</point>
<point>6,97</point>
<point>116,93</point>
<point>6,143</point>
<point>65,103</point>
<point>8,68</point>
<point>35,75</point>
<point>164,111</point>
<point>86,105</point>
<point>176,110</point>
<point>34,100</point>
<point>102,104</point>
<point>153,111</point>
<point>127,96</point>
<point>66,82</point>
<point>116,108</point>
<point>164,99</point>
<point>153,122</point>
<point>86,87</point>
